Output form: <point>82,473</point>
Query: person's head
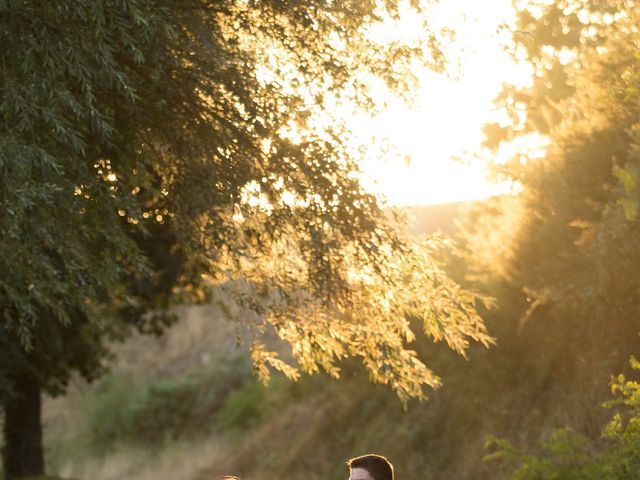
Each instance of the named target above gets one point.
<point>370,467</point>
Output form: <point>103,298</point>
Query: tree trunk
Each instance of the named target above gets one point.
<point>22,455</point>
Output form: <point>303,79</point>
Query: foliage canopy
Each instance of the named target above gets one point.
<point>570,247</point>
<point>154,150</point>
<point>571,252</point>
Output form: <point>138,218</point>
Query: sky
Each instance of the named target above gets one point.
<point>445,122</point>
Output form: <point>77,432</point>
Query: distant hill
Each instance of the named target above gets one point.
<point>428,219</point>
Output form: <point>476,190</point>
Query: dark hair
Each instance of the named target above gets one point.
<point>378,467</point>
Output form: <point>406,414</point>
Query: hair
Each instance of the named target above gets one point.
<point>378,467</point>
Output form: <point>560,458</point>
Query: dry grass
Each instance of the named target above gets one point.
<point>177,461</point>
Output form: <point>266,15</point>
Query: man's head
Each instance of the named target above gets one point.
<point>370,467</point>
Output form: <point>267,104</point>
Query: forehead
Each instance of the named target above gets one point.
<point>360,474</point>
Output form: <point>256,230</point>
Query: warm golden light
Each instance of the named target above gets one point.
<point>445,122</point>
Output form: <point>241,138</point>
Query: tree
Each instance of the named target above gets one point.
<point>563,253</point>
<point>567,247</point>
<point>548,36</point>
<point>161,150</point>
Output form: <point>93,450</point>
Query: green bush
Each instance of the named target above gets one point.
<point>105,410</point>
<point>151,410</point>
<point>568,456</point>
<point>164,409</point>
<point>253,400</point>
<point>243,406</point>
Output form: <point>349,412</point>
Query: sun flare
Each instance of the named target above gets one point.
<point>441,133</point>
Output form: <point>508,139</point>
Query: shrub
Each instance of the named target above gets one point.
<point>243,406</point>
<point>152,410</point>
<point>568,456</point>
